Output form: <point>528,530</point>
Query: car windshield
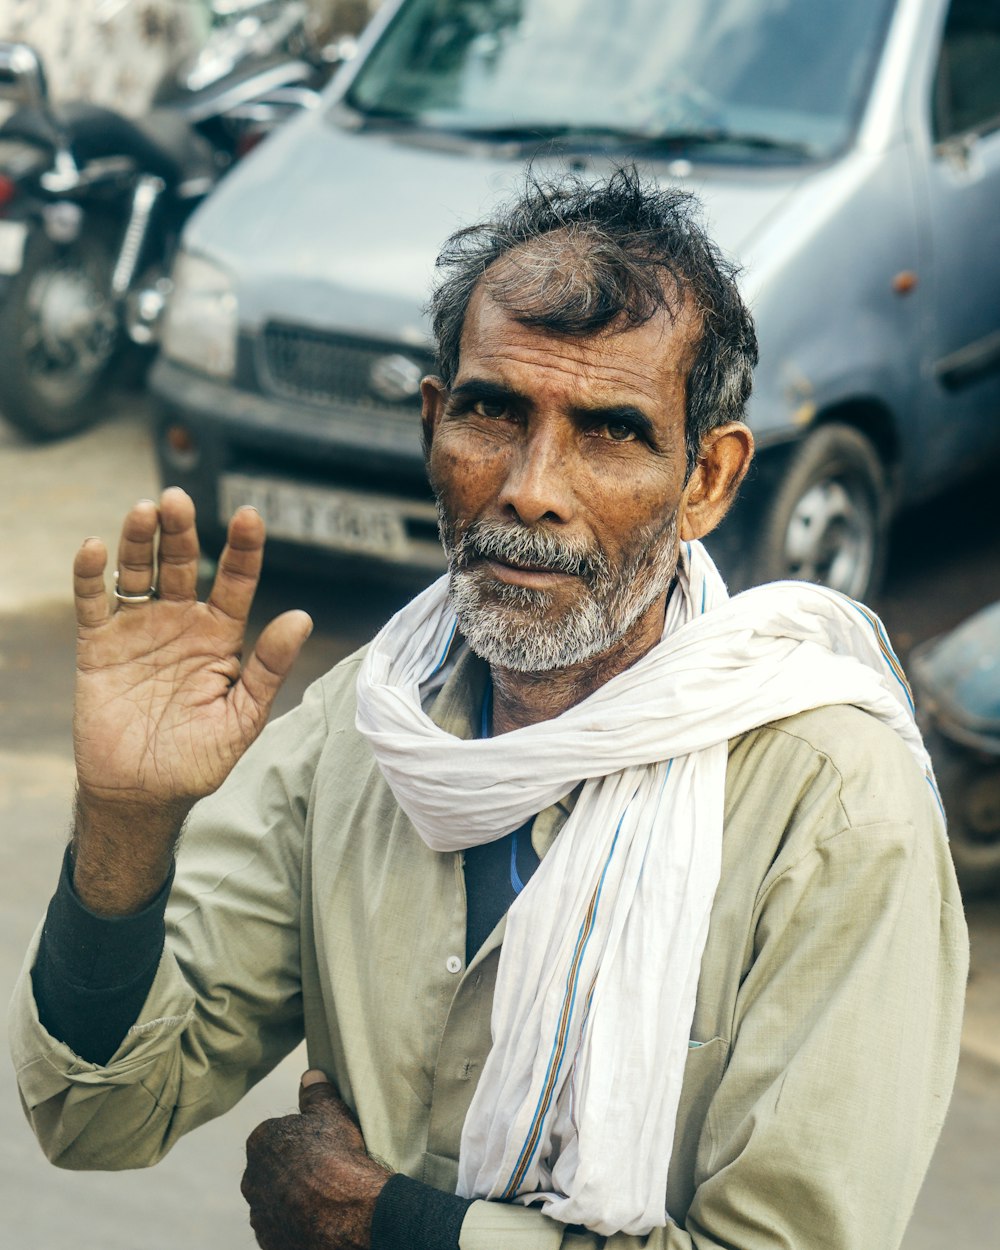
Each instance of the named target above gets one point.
<point>767,76</point>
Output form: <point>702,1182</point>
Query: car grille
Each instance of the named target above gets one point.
<point>308,364</point>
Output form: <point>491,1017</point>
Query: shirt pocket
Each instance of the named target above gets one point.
<point>706,1062</point>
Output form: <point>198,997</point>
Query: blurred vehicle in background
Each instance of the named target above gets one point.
<point>92,202</point>
<point>956,681</point>
<point>848,155</point>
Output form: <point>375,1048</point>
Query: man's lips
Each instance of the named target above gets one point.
<point>531,575</point>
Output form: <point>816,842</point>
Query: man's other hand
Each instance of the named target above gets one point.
<point>309,1181</point>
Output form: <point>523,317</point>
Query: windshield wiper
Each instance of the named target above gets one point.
<point>526,136</point>
<point>720,137</point>
<point>353,118</point>
<point>623,137</point>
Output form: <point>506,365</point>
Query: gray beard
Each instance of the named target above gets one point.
<point>512,627</point>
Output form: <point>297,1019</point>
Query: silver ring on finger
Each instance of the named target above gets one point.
<point>124,598</point>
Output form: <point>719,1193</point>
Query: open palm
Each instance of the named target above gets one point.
<point>164,707</point>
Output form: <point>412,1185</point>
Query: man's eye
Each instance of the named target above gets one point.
<point>617,431</point>
<point>491,409</point>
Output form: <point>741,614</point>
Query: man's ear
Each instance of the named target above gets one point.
<point>433,395</point>
<point>723,460</point>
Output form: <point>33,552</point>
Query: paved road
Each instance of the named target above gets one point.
<point>947,564</point>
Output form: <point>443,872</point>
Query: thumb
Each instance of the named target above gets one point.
<point>316,1091</point>
<point>276,651</point>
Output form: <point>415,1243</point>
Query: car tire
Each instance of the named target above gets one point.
<point>53,381</point>
<point>970,791</point>
<point>828,518</point>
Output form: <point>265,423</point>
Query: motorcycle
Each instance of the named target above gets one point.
<point>92,204</point>
<point>956,680</point>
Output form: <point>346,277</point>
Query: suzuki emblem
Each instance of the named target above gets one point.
<point>395,377</point>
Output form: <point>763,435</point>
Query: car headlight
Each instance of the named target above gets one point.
<point>199,327</point>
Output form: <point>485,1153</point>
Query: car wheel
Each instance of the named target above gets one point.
<point>970,791</point>
<point>827,520</point>
<point>58,336</point>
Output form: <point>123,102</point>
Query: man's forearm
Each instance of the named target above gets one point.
<point>123,853</point>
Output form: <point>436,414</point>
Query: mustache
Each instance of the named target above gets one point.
<point>520,546</point>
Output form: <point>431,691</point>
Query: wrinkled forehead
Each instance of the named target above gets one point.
<point>576,285</point>
<point>580,271</point>
<point>576,282</point>
<point>646,366</point>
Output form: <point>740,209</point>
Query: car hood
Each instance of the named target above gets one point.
<point>340,230</point>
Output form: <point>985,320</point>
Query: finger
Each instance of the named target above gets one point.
<point>135,549</point>
<point>318,1097</point>
<point>239,565</point>
<point>90,596</point>
<point>315,1089</point>
<point>177,557</point>
<point>276,651</point>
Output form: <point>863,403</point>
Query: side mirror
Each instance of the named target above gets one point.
<point>22,78</point>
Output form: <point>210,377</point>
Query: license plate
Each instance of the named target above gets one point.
<point>13,235</point>
<point>336,519</point>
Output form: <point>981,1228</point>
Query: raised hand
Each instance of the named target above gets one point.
<point>164,707</point>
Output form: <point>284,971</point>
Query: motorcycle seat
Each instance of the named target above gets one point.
<point>160,143</point>
<point>193,155</point>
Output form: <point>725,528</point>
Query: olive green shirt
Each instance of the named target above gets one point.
<point>825,1036</point>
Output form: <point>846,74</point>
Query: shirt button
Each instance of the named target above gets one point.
<point>453,963</point>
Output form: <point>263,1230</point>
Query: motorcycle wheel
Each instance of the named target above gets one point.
<point>970,790</point>
<point>59,334</point>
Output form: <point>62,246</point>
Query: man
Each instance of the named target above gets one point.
<point>620,908</point>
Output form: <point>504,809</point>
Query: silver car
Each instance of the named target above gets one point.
<point>847,154</point>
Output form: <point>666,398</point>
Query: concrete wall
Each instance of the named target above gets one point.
<point>105,51</point>
<point>115,52</point>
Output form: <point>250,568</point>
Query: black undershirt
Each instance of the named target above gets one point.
<point>494,875</point>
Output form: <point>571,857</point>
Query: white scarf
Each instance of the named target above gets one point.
<point>577,1103</point>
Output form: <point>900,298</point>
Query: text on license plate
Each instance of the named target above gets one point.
<point>308,514</point>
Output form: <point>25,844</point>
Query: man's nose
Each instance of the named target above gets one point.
<point>539,486</point>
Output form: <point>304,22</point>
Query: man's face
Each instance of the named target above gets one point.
<point>559,466</point>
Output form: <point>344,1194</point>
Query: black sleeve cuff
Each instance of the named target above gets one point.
<point>92,973</point>
<point>412,1216</point>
